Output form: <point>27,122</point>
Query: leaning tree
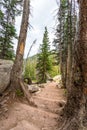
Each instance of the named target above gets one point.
<point>16,73</point>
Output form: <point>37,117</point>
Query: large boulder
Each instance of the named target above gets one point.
<point>5,69</point>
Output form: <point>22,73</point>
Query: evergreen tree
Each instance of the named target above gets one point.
<point>65,35</point>
<point>43,61</point>
<point>9,9</point>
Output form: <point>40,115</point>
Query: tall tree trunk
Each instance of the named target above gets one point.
<point>16,73</point>
<point>75,111</point>
<point>83,51</point>
<point>69,49</point>
<point>61,11</point>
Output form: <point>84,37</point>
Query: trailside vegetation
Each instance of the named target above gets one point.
<point>9,9</point>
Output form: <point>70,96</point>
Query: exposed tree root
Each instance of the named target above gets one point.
<point>10,95</point>
<point>70,124</point>
<point>27,94</point>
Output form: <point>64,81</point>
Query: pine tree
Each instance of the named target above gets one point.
<point>43,61</point>
<point>9,9</point>
<point>65,35</point>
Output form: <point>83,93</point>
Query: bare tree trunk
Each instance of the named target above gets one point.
<point>16,73</point>
<point>75,111</point>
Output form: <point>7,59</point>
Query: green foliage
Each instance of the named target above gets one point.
<point>1,15</point>
<point>43,62</point>
<point>19,93</point>
<point>55,70</point>
<point>30,69</point>
<point>6,44</point>
<point>60,33</point>
<point>9,9</point>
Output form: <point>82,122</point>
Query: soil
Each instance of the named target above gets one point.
<point>49,100</point>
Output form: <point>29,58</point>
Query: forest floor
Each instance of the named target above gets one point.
<point>49,101</point>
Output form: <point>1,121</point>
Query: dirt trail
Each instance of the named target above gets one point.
<point>24,117</point>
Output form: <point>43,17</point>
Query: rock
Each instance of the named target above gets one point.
<point>33,88</point>
<point>5,69</point>
<point>41,86</point>
<point>48,81</point>
<point>58,80</point>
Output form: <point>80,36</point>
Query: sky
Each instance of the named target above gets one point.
<point>42,14</point>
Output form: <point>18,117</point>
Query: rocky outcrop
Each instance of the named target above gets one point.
<point>5,69</point>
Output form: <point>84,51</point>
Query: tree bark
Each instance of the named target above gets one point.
<point>83,52</point>
<point>61,20</point>
<point>75,111</point>
<point>69,47</point>
<point>16,73</point>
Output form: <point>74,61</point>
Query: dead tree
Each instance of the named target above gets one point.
<point>16,73</point>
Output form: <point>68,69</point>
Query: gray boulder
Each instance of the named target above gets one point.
<point>5,69</point>
<point>33,88</point>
